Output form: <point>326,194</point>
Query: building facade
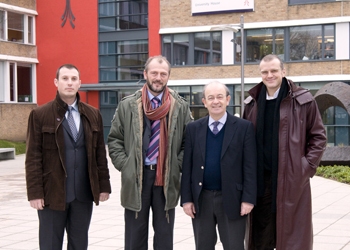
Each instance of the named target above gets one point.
<point>110,40</point>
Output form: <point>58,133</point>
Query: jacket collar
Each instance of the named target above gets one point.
<point>62,107</point>
<point>293,90</point>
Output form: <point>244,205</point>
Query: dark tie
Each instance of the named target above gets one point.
<point>153,147</point>
<point>73,127</point>
<point>215,129</point>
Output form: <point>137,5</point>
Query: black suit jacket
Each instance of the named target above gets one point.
<point>238,164</point>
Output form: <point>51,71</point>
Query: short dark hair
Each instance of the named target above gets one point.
<point>68,66</point>
<point>270,57</point>
<point>216,82</point>
<point>160,59</point>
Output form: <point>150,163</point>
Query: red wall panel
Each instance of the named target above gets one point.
<point>59,45</point>
<point>153,27</point>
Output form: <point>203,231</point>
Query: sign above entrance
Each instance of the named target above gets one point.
<point>203,7</point>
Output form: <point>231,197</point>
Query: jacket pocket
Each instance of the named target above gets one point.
<point>307,170</point>
<point>95,134</point>
<point>49,139</point>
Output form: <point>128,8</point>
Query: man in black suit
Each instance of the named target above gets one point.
<point>219,182</point>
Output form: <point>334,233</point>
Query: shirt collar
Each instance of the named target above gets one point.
<point>75,105</point>
<point>150,96</point>
<point>275,95</point>
<point>221,120</point>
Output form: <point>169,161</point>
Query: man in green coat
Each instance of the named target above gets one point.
<point>146,144</point>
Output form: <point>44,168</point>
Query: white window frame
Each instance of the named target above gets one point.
<point>5,82</point>
<point>26,13</point>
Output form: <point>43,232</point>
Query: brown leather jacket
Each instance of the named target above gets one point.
<point>45,154</point>
<point>302,140</point>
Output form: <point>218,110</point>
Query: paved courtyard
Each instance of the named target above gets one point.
<point>19,222</point>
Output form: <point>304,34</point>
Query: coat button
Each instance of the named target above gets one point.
<point>200,184</point>
<point>202,167</point>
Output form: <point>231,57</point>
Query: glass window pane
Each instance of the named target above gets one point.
<point>259,43</point>
<point>24,85</point>
<point>130,73</point>
<point>125,92</point>
<point>341,116</point>
<point>181,45</point>
<point>15,27</point>
<point>197,95</point>
<point>108,74</point>
<point>132,22</point>
<point>107,48</point>
<point>183,91</point>
<point>132,60</point>
<point>2,24</point>
<point>341,136</point>
<point>199,112</point>
<point>107,24</point>
<point>329,41</point>
<point>108,98</point>
<point>216,47</point>
<point>30,29</point>
<point>133,46</point>
<point>279,43</point>
<point>330,136</point>
<point>328,116</point>
<point>201,48</point>
<point>237,42</point>
<point>108,61</point>
<point>107,9</point>
<point>2,81</point>
<point>306,42</point>
<point>12,82</point>
<point>166,49</point>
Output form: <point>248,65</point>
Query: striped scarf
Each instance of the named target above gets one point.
<point>159,113</point>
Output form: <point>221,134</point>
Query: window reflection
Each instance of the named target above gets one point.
<point>337,123</point>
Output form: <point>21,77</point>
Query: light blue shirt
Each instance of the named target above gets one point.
<point>150,96</point>
<point>222,121</point>
<point>275,95</point>
<point>75,114</point>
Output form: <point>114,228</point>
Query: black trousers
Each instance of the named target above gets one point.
<point>264,220</point>
<point>75,219</point>
<point>211,213</point>
<point>136,224</point>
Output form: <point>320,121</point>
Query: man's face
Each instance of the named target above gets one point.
<point>68,83</point>
<point>272,75</point>
<point>157,76</point>
<point>216,100</point>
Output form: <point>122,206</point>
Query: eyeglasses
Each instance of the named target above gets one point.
<point>212,98</point>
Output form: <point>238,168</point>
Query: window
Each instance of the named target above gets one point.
<point>2,25</point>
<point>16,82</point>
<point>314,42</point>
<point>15,27</point>
<point>123,15</point>
<point>293,2</point>
<point>192,49</point>
<point>123,60</point>
<point>337,123</point>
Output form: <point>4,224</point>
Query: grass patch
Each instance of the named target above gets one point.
<point>20,147</point>
<point>338,173</point>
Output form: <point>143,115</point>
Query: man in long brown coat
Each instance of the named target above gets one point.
<point>290,142</point>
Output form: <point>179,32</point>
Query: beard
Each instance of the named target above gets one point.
<point>150,86</point>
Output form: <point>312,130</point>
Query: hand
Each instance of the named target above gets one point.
<point>37,204</point>
<point>189,209</point>
<point>246,208</point>
<point>104,196</point>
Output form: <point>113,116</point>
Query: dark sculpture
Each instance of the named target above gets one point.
<point>68,13</point>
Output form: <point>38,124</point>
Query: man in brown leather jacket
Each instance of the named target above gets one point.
<point>66,165</point>
<point>290,140</point>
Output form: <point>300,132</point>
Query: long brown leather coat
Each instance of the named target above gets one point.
<point>45,154</point>
<point>302,140</point>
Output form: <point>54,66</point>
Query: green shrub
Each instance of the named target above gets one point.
<point>338,173</point>
<point>20,147</point>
